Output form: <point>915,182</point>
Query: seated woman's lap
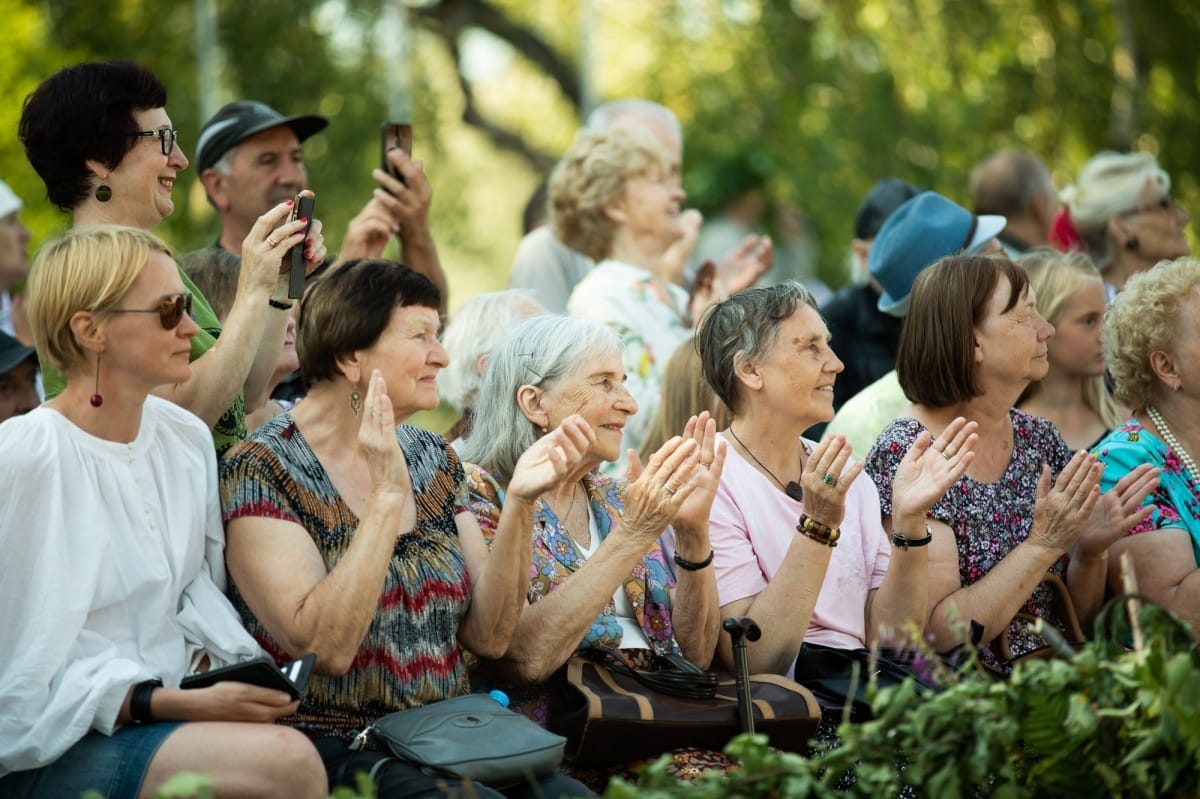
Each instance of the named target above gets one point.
<point>112,765</point>
<point>395,779</point>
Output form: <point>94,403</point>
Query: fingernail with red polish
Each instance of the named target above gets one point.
<point>304,219</point>
<point>289,202</point>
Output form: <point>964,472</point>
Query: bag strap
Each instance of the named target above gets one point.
<point>675,675</point>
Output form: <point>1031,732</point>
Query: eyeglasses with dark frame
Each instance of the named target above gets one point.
<point>166,138</point>
<point>170,311</point>
<point>1163,203</point>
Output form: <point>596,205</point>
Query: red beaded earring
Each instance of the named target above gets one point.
<point>96,399</point>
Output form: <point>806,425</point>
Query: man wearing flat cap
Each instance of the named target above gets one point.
<point>249,158</point>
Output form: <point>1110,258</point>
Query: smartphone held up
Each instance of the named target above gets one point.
<point>302,208</point>
<point>394,135</point>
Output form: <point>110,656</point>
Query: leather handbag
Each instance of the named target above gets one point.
<point>610,712</point>
<point>469,737</point>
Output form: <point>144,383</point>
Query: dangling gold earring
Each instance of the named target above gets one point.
<point>96,399</point>
<point>355,401</point>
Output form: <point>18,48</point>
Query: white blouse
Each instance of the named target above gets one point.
<point>111,572</point>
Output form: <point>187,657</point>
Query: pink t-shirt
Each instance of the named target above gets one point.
<point>752,525</point>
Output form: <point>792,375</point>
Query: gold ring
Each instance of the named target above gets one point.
<point>947,453</point>
<point>706,465</point>
<point>670,490</point>
<point>272,241</point>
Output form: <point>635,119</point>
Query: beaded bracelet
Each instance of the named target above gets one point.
<point>687,565</point>
<point>139,701</point>
<point>821,533</point>
<point>904,542</point>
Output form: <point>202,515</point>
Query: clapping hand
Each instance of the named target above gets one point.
<point>654,495</point>
<point>826,478</point>
<point>930,467</point>
<point>1118,510</point>
<point>694,510</point>
<point>377,440</point>
<point>1060,513</point>
<point>551,459</point>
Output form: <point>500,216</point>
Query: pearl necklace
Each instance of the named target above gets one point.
<point>1173,442</point>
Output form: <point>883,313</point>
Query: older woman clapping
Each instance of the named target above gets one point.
<point>349,536</point>
<point>111,541</point>
<point>1150,332</point>
<point>785,503</point>
<point>99,136</point>
<point>972,342</point>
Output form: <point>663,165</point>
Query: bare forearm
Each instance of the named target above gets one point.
<point>897,613</point>
<point>784,608</point>
<point>695,614</point>
<point>219,374</point>
<point>995,599</point>
<point>498,594</point>
<point>418,251</point>
<point>1086,582</point>
<point>266,357</point>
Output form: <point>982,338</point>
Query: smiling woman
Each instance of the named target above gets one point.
<point>100,137</point>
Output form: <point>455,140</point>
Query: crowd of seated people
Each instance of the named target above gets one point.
<point>636,459</point>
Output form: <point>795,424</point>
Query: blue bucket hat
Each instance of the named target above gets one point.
<point>921,231</point>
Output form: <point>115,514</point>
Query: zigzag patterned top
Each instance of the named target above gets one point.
<point>410,656</point>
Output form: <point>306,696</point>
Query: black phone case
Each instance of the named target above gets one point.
<point>261,672</point>
<point>296,278</point>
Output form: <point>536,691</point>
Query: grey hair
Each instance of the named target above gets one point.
<point>1007,183</point>
<point>744,327</point>
<point>538,352</point>
<point>1109,185</point>
<point>223,165</point>
<point>471,335</point>
<point>611,115</point>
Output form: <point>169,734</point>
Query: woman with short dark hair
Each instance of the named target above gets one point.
<point>350,535</point>
<point>971,343</point>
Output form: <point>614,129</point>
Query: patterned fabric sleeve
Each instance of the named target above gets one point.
<point>1128,447</point>
<point>252,481</point>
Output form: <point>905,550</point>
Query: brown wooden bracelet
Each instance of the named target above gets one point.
<point>821,533</point>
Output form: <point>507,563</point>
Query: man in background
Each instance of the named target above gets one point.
<point>1017,185</point>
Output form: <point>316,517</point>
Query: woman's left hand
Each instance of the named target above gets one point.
<point>826,478</point>
<point>1120,509</point>
<point>929,468</point>
<point>552,458</point>
<point>692,515</point>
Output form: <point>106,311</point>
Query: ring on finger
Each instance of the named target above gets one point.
<point>670,489</point>
<point>829,479</point>
<point>706,464</point>
<point>948,453</point>
<point>271,241</point>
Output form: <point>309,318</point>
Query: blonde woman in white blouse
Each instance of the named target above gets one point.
<point>111,540</point>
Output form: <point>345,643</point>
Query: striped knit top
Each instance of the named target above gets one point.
<point>410,655</point>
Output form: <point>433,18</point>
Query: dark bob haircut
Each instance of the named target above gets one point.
<point>348,309</point>
<point>84,113</point>
<point>936,359</point>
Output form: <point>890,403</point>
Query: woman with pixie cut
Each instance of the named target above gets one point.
<point>972,341</point>
<point>1151,332</point>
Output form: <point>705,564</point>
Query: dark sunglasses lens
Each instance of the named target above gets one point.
<point>171,312</point>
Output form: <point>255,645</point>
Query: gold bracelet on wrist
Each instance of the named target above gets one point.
<point>821,533</point>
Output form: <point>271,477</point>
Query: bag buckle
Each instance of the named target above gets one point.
<point>361,739</point>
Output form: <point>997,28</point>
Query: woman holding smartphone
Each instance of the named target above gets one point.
<point>112,545</point>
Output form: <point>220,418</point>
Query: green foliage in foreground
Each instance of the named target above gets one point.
<point>1107,721</point>
<point>1119,718</point>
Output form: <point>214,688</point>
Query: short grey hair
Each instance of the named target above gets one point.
<point>744,327</point>
<point>1109,185</point>
<point>1007,183</point>
<point>538,352</point>
<point>473,332</point>
<point>615,114</point>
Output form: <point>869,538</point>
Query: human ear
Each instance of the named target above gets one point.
<point>529,399</point>
<point>746,371</point>
<point>85,326</point>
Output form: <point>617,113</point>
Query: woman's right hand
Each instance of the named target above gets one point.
<point>1060,513</point>
<point>654,495</point>
<point>267,244</point>
<point>826,478</point>
<point>237,701</point>
<point>377,441</point>
<point>551,459</point>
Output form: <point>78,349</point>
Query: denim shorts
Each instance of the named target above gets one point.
<point>113,765</point>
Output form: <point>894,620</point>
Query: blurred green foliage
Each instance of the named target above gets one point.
<point>823,96</point>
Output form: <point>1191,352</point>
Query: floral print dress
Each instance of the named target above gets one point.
<point>1176,501</point>
<point>989,519</point>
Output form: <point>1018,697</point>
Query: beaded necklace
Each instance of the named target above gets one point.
<point>1173,442</point>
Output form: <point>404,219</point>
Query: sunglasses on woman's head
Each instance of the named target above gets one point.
<point>170,311</point>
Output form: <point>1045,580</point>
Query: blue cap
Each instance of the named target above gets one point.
<point>499,696</point>
<point>921,231</point>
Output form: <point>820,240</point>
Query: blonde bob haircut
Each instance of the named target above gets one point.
<point>89,269</point>
<point>1055,277</point>
<point>591,177</point>
<point>1145,318</point>
<point>1109,185</point>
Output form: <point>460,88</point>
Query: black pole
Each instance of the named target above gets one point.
<point>742,629</point>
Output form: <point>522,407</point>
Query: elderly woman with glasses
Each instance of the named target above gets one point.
<point>1120,210</point>
<point>112,545</point>
<point>99,136</point>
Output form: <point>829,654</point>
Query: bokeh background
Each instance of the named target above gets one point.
<point>812,99</point>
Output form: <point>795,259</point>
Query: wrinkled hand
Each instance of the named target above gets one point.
<point>265,246</point>
<point>239,701</point>
<point>693,512</point>
<point>377,441</point>
<point>742,267</point>
<point>1119,509</point>
<point>825,499</point>
<point>1060,513</point>
<point>369,231</point>
<point>551,459</point>
<point>675,257</point>
<point>654,495</point>
<point>929,468</point>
